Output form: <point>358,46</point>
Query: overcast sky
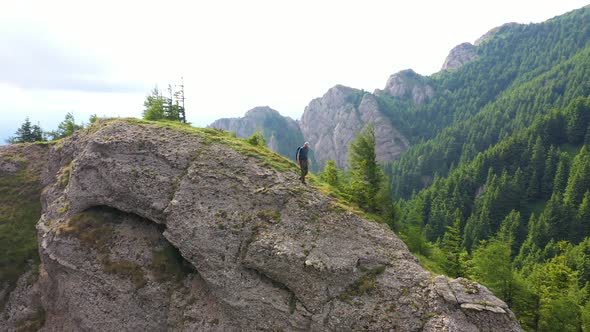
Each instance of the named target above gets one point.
<point>103,57</point>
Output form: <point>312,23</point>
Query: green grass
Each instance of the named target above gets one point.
<point>20,209</point>
<point>429,264</point>
<point>363,285</point>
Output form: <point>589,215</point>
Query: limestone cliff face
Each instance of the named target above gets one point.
<point>146,228</point>
<point>408,84</point>
<point>282,134</point>
<point>459,56</point>
<point>331,122</point>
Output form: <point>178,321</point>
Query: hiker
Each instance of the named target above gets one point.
<point>302,160</point>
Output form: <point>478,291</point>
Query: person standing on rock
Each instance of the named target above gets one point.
<point>302,160</point>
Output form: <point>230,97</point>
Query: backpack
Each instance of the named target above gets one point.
<point>297,154</point>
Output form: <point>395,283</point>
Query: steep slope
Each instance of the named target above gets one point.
<point>146,227</point>
<point>282,134</point>
<point>522,72</point>
<point>330,123</point>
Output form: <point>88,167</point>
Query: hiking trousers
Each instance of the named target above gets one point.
<point>303,165</point>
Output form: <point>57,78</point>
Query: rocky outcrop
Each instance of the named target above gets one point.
<point>154,229</point>
<point>408,84</point>
<point>331,122</point>
<point>282,134</point>
<point>459,56</point>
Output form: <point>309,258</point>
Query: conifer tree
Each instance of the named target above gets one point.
<point>536,169</point>
<point>561,175</point>
<point>66,128</point>
<point>451,246</point>
<point>582,228</point>
<point>579,178</point>
<point>366,176</point>
<point>331,174</point>
<point>549,172</point>
<point>27,133</point>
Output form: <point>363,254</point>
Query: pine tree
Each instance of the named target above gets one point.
<point>583,218</point>
<point>549,173</point>
<point>331,174</point>
<point>66,128</point>
<point>154,106</point>
<point>536,165</point>
<point>579,178</point>
<point>366,176</point>
<point>27,133</point>
<point>492,267</point>
<point>578,118</point>
<point>561,175</point>
<point>451,246</point>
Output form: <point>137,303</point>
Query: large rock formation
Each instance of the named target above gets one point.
<point>408,84</point>
<point>282,134</point>
<point>330,123</point>
<point>148,228</point>
<point>459,56</point>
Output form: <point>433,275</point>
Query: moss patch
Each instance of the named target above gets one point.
<point>270,216</point>
<point>363,285</point>
<point>63,176</point>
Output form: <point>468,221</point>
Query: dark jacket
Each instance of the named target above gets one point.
<point>302,154</point>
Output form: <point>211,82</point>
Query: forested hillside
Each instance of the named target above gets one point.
<point>497,185</point>
<point>523,71</point>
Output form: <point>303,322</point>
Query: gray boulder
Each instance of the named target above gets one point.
<point>254,249</point>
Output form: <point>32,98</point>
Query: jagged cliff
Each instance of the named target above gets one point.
<point>331,122</point>
<point>146,227</point>
<point>460,55</point>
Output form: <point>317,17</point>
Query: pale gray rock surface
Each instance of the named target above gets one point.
<point>459,56</point>
<point>331,122</point>
<point>266,253</point>
<point>408,84</point>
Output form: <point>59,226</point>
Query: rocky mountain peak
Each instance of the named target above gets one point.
<point>459,56</point>
<point>261,111</point>
<point>331,122</point>
<point>409,84</point>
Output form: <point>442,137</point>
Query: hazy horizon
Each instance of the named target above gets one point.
<point>104,58</point>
